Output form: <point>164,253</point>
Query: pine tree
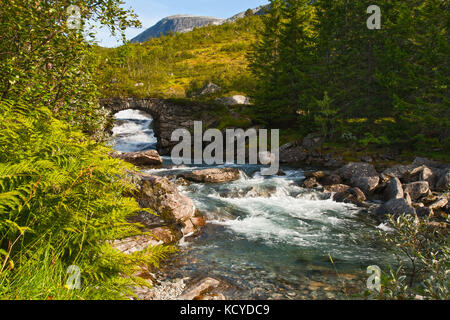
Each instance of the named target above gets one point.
<point>296,85</point>
<point>265,60</point>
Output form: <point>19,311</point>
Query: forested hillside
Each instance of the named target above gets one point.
<point>320,68</point>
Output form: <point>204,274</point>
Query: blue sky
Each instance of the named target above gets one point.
<point>151,11</point>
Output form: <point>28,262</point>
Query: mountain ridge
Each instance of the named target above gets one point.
<point>187,22</point>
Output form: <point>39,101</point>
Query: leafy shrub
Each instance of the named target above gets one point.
<point>61,202</point>
<point>423,256</point>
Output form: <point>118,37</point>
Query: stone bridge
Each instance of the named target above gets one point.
<point>167,116</point>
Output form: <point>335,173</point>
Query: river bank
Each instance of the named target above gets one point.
<point>283,237</point>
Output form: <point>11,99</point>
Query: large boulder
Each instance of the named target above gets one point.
<point>216,175</point>
<point>398,171</point>
<point>361,175</point>
<point>417,189</point>
<point>141,158</point>
<point>394,190</point>
<point>395,207</point>
<point>163,197</point>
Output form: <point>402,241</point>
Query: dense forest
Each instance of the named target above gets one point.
<point>321,68</point>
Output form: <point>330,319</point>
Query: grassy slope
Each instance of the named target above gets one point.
<point>174,65</point>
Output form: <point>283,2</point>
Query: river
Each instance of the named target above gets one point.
<point>267,237</point>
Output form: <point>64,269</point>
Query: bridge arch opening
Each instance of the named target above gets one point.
<point>133,130</point>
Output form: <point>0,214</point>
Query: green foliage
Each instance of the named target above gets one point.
<point>61,202</point>
<point>43,61</point>
<point>423,254</point>
<point>307,48</point>
<point>61,196</point>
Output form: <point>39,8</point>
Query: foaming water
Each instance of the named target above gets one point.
<point>132,131</point>
<point>267,237</point>
<point>272,238</point>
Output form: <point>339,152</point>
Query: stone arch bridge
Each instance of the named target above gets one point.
<point>167,116</point>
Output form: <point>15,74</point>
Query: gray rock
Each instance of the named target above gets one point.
<point>142,158</point>
<point>398,171</point>
<point>366,184</point>
<point>395,207</point>
<point>293,154</point>
<point>163,197</point>
<point>331,179</point>
<point>417,189</point>
<point>394,190</point>
<point>361,175</point>
<point>427,162</point>
<point>216,175</point>
<point>204,286</point>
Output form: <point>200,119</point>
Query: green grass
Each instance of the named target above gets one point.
<point>175,65</point>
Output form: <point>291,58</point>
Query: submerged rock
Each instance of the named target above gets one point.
<point>361,175</point>
<point>201,288</point>
<point>216,175</point>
